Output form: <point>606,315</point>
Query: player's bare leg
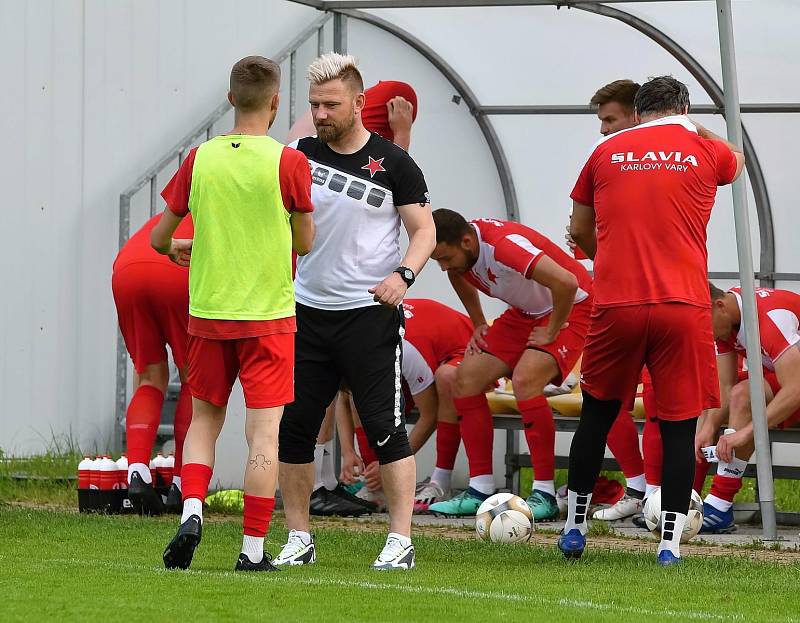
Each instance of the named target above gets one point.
<point>260,481</point>
<point>198,455</point>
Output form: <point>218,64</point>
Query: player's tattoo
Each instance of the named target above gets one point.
<point>260,461</point>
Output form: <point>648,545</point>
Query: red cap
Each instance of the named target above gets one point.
<point>375,116</point>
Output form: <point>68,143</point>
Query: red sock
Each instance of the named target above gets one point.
<point>725,488</point>
<point>367,453</point>
<point>141,423</point>
<point>448,438</point>
<point>183,417</point>
<point>477,432</point>
<point>257,515</point>
<point>700,473</point>
<point>540,433</point>
<point>195,478</point>
<point>651,439</point>
<point>623,441</point>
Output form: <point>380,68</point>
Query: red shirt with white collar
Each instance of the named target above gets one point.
<point>778,323</point>
<point>507,253</point>
<point>652,188</point>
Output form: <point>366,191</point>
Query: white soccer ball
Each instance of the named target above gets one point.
<point>694,518</point>
<point>504,518</point>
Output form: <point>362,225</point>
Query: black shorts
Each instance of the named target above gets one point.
<point>360,349</point>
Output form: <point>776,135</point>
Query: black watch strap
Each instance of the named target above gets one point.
<point>407,275</point>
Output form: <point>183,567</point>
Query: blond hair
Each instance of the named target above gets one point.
<point>335,66</point>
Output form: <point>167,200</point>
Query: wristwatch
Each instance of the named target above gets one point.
<point>407,274</point>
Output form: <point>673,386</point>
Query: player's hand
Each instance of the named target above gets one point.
<point>352,467</point>
<point>703,439</point>
<point>542,336</point>
<point>390,291</point>
<point>570,241</point>
<point>476,342</point>
<point>180,251</point>
<point>372,476</point>
<point>401,114</point>
<point>727,444</point>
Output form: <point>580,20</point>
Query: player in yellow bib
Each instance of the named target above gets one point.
<point>250,201</point>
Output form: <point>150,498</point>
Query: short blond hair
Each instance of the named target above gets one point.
<point>335,66</point>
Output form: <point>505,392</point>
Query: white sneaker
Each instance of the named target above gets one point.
<point>394,556</point>
<point>296,551</point>
<point>627,506</point>
<point>429,493</point>
<point>376,497</point>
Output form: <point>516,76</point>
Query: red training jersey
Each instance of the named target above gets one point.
<point>507,252</point>
<point>652,188</point>
<point>778,323</point>
<point>437,331</point>
<point>295,180</point>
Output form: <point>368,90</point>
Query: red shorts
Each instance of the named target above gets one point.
<point>152,302</point>
<point>674,340</point>
<point>264,365</point>
<point>507,338</point>
<point>771,379</point>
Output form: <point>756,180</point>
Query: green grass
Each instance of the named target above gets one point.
<point>83,568</point>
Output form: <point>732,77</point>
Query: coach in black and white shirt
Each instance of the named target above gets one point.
<point>348,289</point>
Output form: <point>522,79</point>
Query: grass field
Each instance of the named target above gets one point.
<point>78,568</point>
<point>56,563</point>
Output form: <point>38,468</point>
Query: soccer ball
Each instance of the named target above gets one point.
<point>504,518</point>
<point>694,518</point>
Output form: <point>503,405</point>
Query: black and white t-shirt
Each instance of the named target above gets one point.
<point>357,223</point>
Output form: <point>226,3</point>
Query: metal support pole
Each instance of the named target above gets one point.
<point>321,40</point>
<point>292,88</point>
<point>153,195</point>
<point>340,33</point>
<point>734,124</point>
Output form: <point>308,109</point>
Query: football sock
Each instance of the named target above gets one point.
<point>540,433</point>
<point>364,449</point>
<point>483,484</point>
<point>671,530</point>
<point>448,439</point>
<point>650,489</point>
<point>623,441</point>
<point>305,537</point>
<point>143,470</point>
<point>636,483</point>
<point>589,442</point>
<point>192,506</point>
<point>141,423</point>
<point>442,477</point>
<point>477,431</point>
<point>256,518</point>
<point>700,473</point>
<point>545,486</point>
<point>176,480</point>
<point>577,508</point>
<point>324,474</point>
<point>404,540</point>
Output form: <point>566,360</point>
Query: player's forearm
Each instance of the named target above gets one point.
<point>421,243</point>
<point>586,241</point>
<point>344,426</point>
<point>785,403</point>
<point>303,232</point>
<point>402,138</point>
<point>563,300</point>
<point>428,405</point>
<point>704,132</point>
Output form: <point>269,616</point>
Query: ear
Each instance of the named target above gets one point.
<point>231,100</point>
<point>360,102</point>
<point>686,110</point>
<point>636,118</point>
<point>275,103</point>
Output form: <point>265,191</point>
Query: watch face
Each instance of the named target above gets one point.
<point>408,274</point>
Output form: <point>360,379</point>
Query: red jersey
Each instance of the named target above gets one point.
<point>437,331</point>
<point>138,249</point>
<point>652,188</point>
<point>295,181</point>
<point>507,252</point>
<point>778,323</point>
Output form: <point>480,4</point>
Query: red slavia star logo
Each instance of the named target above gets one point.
<point>490,275</point>
<point>373,166</point>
